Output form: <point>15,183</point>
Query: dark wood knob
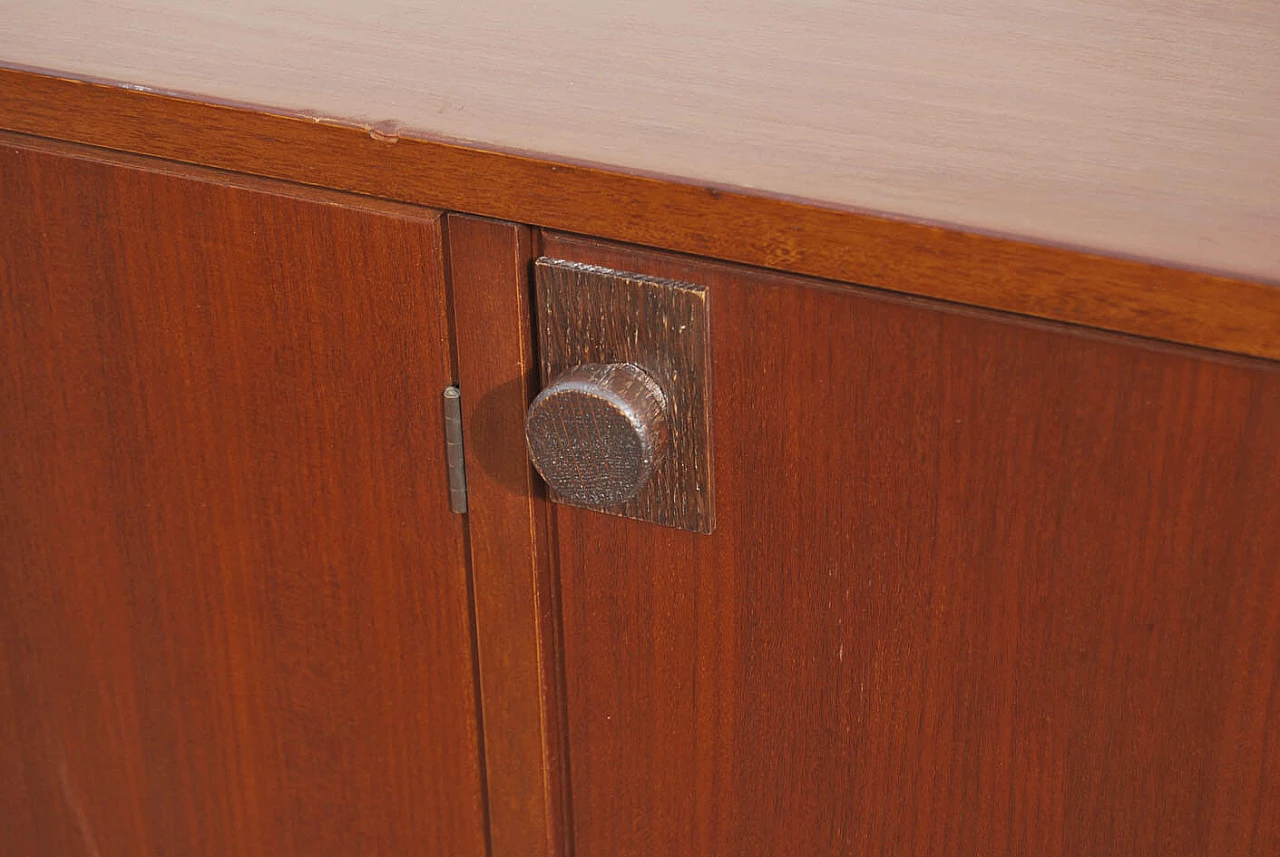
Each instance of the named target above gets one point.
<point>597,432</point>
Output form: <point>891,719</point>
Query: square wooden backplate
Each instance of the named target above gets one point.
<point>589,314</point>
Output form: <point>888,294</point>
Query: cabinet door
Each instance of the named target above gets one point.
<point>979,585</point>
<point>233,598</point>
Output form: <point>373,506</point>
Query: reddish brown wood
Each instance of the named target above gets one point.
<point>233,600</point>
<point>979,586</point>
<point>1049,282</point>
<point>489,263</point>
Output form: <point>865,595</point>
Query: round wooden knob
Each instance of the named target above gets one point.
<point>597,432</point>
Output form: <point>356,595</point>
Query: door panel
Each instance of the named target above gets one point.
<point>979,585</point>
<point>233,601</point>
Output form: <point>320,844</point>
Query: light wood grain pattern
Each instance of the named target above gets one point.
<point>1131,127</point>
<point>978,586</point>
<point>233,599</point>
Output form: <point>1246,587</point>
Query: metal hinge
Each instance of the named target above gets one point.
<point>453,450</point>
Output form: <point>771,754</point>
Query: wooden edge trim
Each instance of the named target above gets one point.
<point>225,178</point>
<point>1191,307</point>
<point>517,644</point>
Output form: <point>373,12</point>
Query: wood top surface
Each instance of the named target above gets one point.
<point>1127,127</point>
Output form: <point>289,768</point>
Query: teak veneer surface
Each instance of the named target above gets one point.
<point>498,372</point>
<point>978,586</point>
<point>234,612</point>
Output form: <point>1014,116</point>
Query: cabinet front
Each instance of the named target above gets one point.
<point>233,598</point>
<point>817,570</point>
<point>977,585</point>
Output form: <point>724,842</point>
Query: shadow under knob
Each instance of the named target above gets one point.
<point>597,432</point>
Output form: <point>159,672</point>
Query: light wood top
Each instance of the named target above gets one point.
<point>1130,127</point>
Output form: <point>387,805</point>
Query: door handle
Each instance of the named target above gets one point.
<point>623,422</point>
<point>597,432</point>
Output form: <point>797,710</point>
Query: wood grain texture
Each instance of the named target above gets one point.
<point>593,315</point>
<point>978,586</point>
<point>515,612</point>
<point>233,600</point>
<point>1186,306</point>
<point>1126,126</point>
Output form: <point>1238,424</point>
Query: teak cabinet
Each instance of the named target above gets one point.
<point>978,584</point>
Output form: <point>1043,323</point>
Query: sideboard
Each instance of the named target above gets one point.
<point>994,565</point>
